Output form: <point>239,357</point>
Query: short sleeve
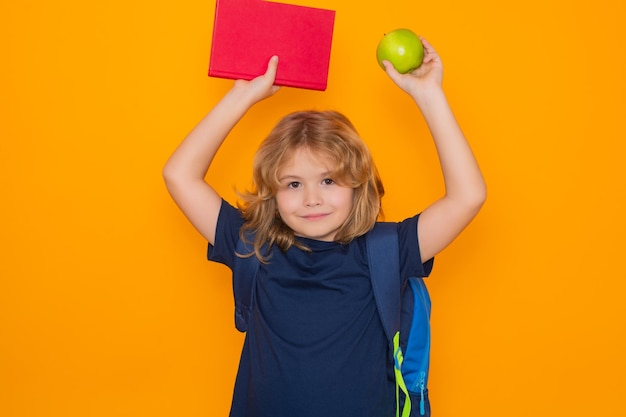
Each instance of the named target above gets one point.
<point>229,223</point>
<point>410,257</point>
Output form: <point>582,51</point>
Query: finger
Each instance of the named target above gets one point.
<point>428,48</point>
<point>427,45</point>
<point>430,52</point>
<point>272,67</point>
<point>392,72</point>
<point>390,69</point>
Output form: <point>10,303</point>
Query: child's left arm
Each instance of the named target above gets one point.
<point>465,191</point>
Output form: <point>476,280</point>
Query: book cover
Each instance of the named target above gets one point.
<point>246,33</point>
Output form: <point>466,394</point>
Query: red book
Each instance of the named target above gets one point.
<point>246,34</point>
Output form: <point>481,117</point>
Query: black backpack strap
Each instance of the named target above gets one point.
<point>383,256</point>
<point>244,277</point>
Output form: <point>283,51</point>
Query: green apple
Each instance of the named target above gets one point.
<point>402,48</point>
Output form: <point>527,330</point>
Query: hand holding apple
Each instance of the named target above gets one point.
<point>403,48</point>
<point>427,76</point>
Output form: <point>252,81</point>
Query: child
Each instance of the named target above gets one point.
<point>315,345</point>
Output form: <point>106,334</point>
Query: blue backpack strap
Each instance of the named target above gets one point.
<point>405,313</point>
<point>383,255</point>
<point>244,277</point>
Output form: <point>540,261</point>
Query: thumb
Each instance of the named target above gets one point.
<point>272,67</point>
<point>392,72</point>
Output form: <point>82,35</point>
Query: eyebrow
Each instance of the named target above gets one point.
<point>288,177</point>
<point>296,177</point>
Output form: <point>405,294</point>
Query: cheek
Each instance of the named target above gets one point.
<point>345,198</point>
<point>283,202</point>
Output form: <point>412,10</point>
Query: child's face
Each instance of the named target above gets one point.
<point>309,201</point>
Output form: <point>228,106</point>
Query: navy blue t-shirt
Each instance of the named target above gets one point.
<point>315,345</point>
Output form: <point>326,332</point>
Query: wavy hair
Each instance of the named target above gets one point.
<point>327,134</point>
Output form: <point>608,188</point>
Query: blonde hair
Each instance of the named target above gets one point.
<point>330,135</point>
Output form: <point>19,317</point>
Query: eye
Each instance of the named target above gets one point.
<point>328,181</point>
<point>294,185</point>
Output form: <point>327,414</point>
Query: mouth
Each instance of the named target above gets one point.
<point>315,217</point>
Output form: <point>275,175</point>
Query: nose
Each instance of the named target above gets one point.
<point>312,198</point>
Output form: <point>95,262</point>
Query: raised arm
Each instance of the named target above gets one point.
<point>185,171</point>
<point>465,191</point>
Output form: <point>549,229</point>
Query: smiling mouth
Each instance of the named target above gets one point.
<point>314,217</point>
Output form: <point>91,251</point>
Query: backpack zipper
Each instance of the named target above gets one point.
<point>421,384</point>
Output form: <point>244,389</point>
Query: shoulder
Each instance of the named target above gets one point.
<point>408,246</point>
<point>406,230</point>
<point>229,223</point>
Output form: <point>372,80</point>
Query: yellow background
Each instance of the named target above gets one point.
<point>107,304</point>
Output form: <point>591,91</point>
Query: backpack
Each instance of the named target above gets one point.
<point>404,312</point>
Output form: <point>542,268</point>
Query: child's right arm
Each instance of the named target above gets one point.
<point>465,191</point>
<point>185,171</point>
